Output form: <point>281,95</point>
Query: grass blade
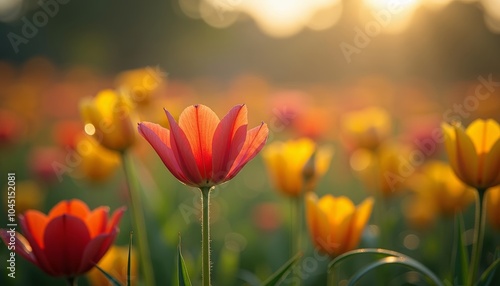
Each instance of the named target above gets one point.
<point>489,273</point>
<point>281,273</point>
<point>111,279</point>
<point>182,273</point>
<point>459,262</point>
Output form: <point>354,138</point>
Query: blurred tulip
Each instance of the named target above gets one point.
<point>335,224</point>
<point>287,162</point>
<point>366,128</point>
<point>266,217</point>
<point>474,153</point>
<point>41,162</point>
<point>109,118</point>
<point>420,211</point>
<point>97,162</point>
<point>493,207</point>
<point>140,84</point>
<point>10,127</point>
<point>115,263</point>
<point>203,151</point>
<point>66,133</point>
<point>385,170</point>
<point>438,183</point>
<point>68,241</point>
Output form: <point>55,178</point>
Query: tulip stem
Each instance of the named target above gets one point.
<point>72,281</point>
<point>138,220</point>
<point>479,226</point>
<point>205,230</point>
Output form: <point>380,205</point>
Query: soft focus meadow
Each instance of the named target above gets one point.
<point>383,176</point>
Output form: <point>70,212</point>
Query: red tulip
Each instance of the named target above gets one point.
<point>67,242</point>
<point>203,151</point>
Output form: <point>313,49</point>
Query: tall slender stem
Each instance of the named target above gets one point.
<point>205,230</point>
<point>479,225</point>
<point>138,220</point>
<point>72,281</point>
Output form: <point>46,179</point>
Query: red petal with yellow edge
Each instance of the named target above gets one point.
<point>41,259</point>
<point>467,157</point>
<point>73,207</point>
<point>35,223</point>
<point>181,148</point>
<point>198,123</point>
<point>159,138</point>
<point>97,221</point>
<point>95,250</point>
<point>359,221</point>
<point>228,141</point>
<point>65,239</point>
<point>254,142</point>
<point>492,166</point>
<point>21,244</point>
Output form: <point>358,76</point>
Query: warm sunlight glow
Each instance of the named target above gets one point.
<point>396,15</point>
<point>89,129</point>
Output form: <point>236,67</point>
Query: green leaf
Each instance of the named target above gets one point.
<point>489,273</point>
<point>459,260</point>
<point>401,260</point>
<point>281,273</point>
<point>111,279</point>
<point>182,273</point>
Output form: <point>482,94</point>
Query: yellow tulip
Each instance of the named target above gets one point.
<point>438,183</point>
<point>287,161</point>
<point>140,84</point>
<point>493,206</point>
<point>97,162</point>
<point>366,128</point>
<point>115,263</point>
<point>474,153</point>
<point>29,195</point>
<point>336,224</point>
<point>108,117</point>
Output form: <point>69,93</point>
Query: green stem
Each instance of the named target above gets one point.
<point>298,229</point>
<point>205,230</point>
<point>479,226</point>
<point>72,281</point>
<point>138,220</point>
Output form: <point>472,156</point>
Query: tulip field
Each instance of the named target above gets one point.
<point>158,184</point>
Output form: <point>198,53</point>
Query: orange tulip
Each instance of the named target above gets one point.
<point>68,241</point>
<point>203,151</point>
<point>474,153</point>
<point>335,224</point>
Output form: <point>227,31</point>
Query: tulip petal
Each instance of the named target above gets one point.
<point>359,221</point>
<point>340,212</point>
<point>21,244</point>
<point>159,138</point>
<point>37,250</point>
<point>492,166</point>
<point>467,157</point>
<point>95,250</point>
<point>274,158</point>
<point>35,222</point>
<point>66,237</point>
<point>181,148</point>
<point>484,134</point>
<point>115,219</point>
<point>97,221</point>
<point>228,140</point>
<point>198,123</point>
<point>451,148</point>
<point>254,142</point>
<point>73,207</point>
